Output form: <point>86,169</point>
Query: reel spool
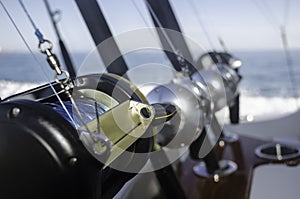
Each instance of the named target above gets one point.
<point>194,104</point>
<point>41,153</point>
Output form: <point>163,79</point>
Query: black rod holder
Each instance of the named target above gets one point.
<point>234,110</point>
<point>210,159</point>
<point>166,176</point>
<point>211,166</point>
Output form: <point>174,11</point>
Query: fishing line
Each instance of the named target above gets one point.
<point>35,58</point>
<point>199,20</point>
<point>286,48</point>
<point>180,59</point>
<point>288,56</point>
<point>161,27</point>
<point>270,11</point>
<point>146,23</point>
<point>289,63</point>
<point>65,54</point>
<point>283,36</point>
<point>28,15</point>
<point>52,15</point>
<point>286,12</point>
<point>263,10</point>
<point>222,43</point>
<point>194,9</point>
<point>142,16</point>
<point>184,67</point>
<point>37,32</point>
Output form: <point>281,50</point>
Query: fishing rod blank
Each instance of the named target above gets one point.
<point>64,51</point>
<point>100,31</point>
<point>224,58</point>
<point>166,22</point>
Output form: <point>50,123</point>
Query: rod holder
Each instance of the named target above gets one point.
<point>226,168</point>
<point>277,152</point>
<point>228,138</point>
<point>224,137</point>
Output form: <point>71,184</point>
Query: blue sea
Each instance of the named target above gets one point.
<point>266,88</point>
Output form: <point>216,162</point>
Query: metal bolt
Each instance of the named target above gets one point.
<point>99,147</point>
<point>221,143</point>
<point>14,112</point>
<point>79,82</point>
<point>216,178</point>
<point>73,161</point>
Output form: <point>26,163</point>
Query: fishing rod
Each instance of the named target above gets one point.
<point>194,9</point>
<point>45,46</point>
<point>174,44</point>
<point>69,155</point>
<point>64,51</point>
<point>264,8</point>
<point>225,58</point>
<point>222,43</point>
<point>164,17</point>
<point>51,58</point>
<point>202,25</point>
<point>100,32</point>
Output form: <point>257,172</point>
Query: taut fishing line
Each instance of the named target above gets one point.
<point>40,37</point>
<point>142,16</point>
<point>194,8</point>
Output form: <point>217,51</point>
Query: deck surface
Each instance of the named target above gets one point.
<point>235,186</point>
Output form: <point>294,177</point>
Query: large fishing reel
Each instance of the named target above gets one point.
<point>198,97</point>
<point>195,107</point>
<point>220,68</point>
<point>43,155</point>
<point>208,59</point>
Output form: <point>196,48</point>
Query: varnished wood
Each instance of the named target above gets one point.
<point>235,186</point>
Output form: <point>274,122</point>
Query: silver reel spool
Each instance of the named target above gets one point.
<point>195,107</point>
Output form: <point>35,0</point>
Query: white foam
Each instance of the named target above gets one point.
<point>251,107</point>
<point>263,108</point>
<point>8,88</point>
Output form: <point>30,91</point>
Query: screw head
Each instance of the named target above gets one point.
<point>73,161</point>
<point>14,112</point>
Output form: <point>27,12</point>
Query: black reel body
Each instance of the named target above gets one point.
<point>41,154</point>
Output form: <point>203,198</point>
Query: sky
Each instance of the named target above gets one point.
<point>242,24</point>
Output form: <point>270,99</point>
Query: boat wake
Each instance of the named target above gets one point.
<point>252,107</point>
<point>264,108</point>
<point>8,88</point>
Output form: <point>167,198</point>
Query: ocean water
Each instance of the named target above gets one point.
<point>266,89</point>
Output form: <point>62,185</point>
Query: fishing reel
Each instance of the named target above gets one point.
<point>194,109</point>
<point>208,59</point>
<point>62,148</point>
<point>198,96</point>
<point>220,64</point>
